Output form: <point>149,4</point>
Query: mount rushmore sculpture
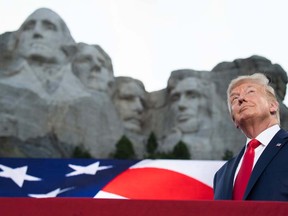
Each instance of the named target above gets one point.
<point>58,95</point>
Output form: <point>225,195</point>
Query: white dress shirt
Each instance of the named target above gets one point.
<point>264,137</point>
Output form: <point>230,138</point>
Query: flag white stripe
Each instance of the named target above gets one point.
<point>202,170</point>
<point>105,195</point>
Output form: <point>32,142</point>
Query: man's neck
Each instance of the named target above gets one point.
<point>253,129</point>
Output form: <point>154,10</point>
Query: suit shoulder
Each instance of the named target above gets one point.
<point>226,166</point>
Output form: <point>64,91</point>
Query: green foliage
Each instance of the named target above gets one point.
<point>124,149</point>
<point>180,150</point>
<point>80,153</point>
<point>227,155</point>
<point>151,144</point>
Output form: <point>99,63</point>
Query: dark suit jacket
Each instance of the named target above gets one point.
<point>269,178</point>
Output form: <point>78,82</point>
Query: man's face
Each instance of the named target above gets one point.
<point>185,101</point>
<point>249,102</point>
<point>130,106</point>
<point>89,65</point>
<point>41,37</point>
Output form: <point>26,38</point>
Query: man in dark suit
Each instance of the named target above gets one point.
<point>254,109</point>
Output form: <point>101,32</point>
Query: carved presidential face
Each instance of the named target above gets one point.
<point>41,37</point>
<point>129,103</point>
<point>89,66</point>
<point>185,102</point>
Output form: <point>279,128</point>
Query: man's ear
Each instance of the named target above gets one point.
<point>233,119</point>
<point>274,106</point>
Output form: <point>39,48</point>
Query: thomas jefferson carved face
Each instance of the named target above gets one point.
<point>90,67</point>
<point>129,102</point>
<point>185,102</point>
<point>41,37</point>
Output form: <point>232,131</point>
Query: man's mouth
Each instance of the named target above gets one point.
<point>39,46</point>
<point>243,108</point>
<point>134,121</point>
<point>183,117</point>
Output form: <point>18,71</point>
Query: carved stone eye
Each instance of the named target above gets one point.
<point>49,25</point>
<point>192,94</point>
<point>29,25</point>
<point>175,97</point>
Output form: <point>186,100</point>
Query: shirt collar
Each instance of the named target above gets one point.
<point>266,136</point>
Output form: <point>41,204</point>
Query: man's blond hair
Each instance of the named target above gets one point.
<point>257,78</point>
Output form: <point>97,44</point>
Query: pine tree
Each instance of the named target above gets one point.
<point>180,151</point>
<point>80,153</point>
<point>151,146</point>
<point>124,149</point>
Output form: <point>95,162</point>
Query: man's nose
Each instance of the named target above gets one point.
<point>95,68</point>
<point>241,99</point>
<point>138,106</point>
<point>182,103</point>
<point>37,31</point>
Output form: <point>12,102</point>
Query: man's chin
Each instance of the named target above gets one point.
<point>38,56</point>
<point>188,127</point>
<point>133,126</point>
<point>245,119</point>
<point>97,85</point>
<point>38,52</point>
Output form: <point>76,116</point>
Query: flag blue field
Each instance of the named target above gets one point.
<point>125,179</point>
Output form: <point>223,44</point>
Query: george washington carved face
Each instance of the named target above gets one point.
<point>42,36</point>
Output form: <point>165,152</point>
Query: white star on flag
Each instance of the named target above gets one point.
<point>51,194</point>
<point>18,175</point>
<point>89,170</point>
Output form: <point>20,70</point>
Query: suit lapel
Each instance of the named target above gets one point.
<point>231,173</point>
<point>269,153</point>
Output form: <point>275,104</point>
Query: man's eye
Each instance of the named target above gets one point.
<point>192,94</point>
<point>251,91</point>
<point>29,26</point>
<point>50,26</point>
<point>128,97</point>
<point>174,97</point>
<point>84,59</point>
<point>233,99</point>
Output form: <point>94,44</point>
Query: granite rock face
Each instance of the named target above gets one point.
<point>57,95</point>
<point>41,97</point>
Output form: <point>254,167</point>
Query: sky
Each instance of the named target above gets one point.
<point>148,39</point>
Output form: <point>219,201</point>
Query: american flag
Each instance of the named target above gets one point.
<point>105,178</point>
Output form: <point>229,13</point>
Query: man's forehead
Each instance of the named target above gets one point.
<point>186,84</point>
<point>131,88</point>
<point>44,14</point>
<point>244,85</point>
<point>90,50</point>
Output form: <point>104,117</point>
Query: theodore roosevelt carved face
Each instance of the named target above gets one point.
<point>129,100</point>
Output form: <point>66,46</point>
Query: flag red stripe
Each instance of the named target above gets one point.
<point>155,183</point>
